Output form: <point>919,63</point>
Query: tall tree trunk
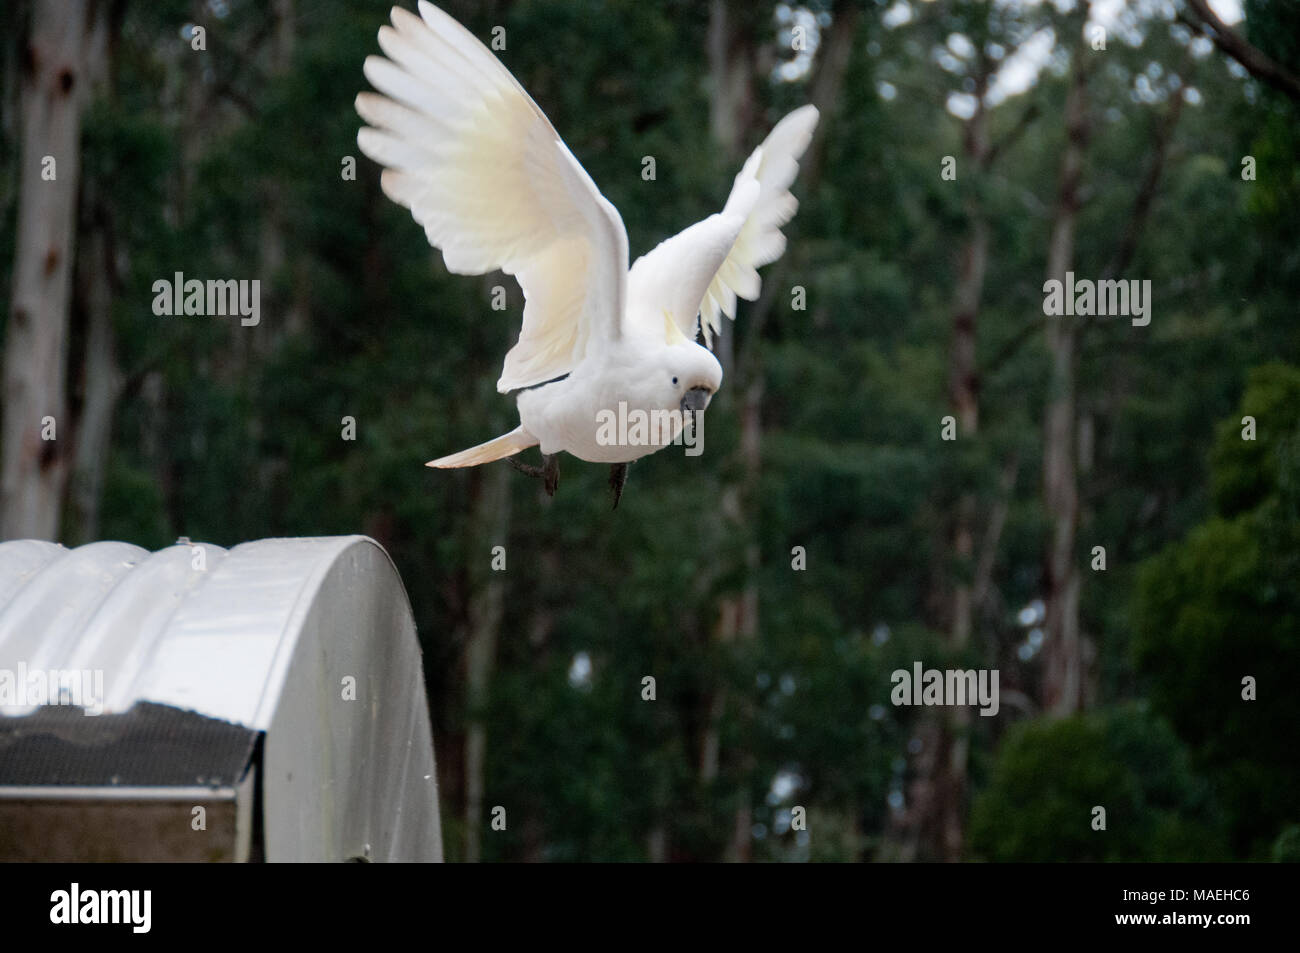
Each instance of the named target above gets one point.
<point>1063,656</point>
<point>488,528</point>
<point>733,112</point>
<point>738,613</point>
<point>732,53</point>
<point>101,380</point>
<point>731,74</point>
<point>824,92</point>
<point>277,266</point>
<point>934,826</point>
<point>949,789</point>
<point>34,471</point>
<point>963,372</point>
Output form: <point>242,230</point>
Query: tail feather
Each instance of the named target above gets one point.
<point>503,446</point>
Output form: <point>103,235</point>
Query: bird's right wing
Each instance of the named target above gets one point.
<point>481,168</point>
<point>701,271</point>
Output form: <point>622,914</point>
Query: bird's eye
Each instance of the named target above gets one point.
<point>674,380</point>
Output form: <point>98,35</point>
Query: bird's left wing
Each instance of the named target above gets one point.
<point>701,270</point>
<point>483,170</point>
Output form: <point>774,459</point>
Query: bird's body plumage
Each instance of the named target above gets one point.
<point>483,171</point>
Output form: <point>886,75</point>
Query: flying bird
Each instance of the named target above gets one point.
<point>482,169</point>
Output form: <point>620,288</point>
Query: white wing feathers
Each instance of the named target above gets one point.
<point>484,172</point>
<point>676,275</point>
<point>703,269</point>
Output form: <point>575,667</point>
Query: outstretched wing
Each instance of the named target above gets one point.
<point>701,271</point>
<point>483,170</point>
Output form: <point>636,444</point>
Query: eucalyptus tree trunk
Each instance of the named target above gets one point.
<point>33,439</point>
<point>101,377</point>
<point>732,67</point>
<point>99,380</point>
<point>489,528</point>
<point>734,54</point>
<point>934,824</point>
<point>1063,654</point>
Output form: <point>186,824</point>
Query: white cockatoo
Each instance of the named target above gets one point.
<point>480,166</point>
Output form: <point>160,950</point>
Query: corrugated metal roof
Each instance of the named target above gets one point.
<point>308,640</point>
<point>210,639</point>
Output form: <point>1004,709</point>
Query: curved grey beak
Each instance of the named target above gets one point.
<point>695,400</point>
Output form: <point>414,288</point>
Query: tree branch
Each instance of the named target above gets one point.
<point>1009,139</point>
<point>1258,63</point>
<point>1147,191</point>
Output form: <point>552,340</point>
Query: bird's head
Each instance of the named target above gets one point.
<point>690,374</point>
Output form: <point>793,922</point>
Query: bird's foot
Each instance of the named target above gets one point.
<point>549,471</point>
<point>617,480</point>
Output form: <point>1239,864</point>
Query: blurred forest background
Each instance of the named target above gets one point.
<point>1169,155</point>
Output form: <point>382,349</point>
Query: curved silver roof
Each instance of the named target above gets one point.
<point>308,640</point>
<point>211,639</point>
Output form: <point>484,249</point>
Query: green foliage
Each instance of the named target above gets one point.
<point>1051,774</point>
<point>1246,474</point>
<point>1286,849</point>
<point>1223,605</point>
